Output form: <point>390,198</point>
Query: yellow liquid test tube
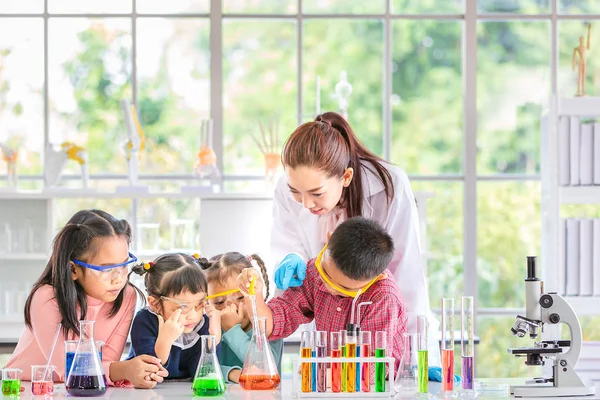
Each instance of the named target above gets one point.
<point>306,370</point>
<point>351,368</point>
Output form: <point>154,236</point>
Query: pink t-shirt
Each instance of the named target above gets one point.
<point>34,345</point>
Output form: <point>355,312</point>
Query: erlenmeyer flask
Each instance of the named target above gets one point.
<point>209,379</point>
<point>406,380</point>
<point>86,377</point>
<point>259,371</point>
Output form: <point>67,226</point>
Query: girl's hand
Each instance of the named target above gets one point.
<point>246,277</point>
<point>144,371</point>
<point>214,322</point>
<point>231,315</point>
<point>170,329</point>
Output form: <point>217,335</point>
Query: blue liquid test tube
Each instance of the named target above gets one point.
<point>314,373</point>
<point>357,369</point>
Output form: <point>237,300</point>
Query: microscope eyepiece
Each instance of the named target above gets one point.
<point>531,268</point>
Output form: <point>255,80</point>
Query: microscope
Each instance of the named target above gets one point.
<point>549,308</point>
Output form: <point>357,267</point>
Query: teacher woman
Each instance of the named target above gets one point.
<point>330,177</point>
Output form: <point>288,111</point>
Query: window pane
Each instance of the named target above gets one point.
<point>94,7</point>
<point>173,61</point>
<point>426,81</point>
<point>513,6</point>
<point>428,6</point>
<point>582,7</point>
<point>495,361</point>
<point>343,6</point>
<point>172,6</point>
<point>508,230</point>
<point>89,73</point>
<point>568,40</point>
<point>65,208</point>
<point>444,247</point>
<point>21,92</point>
<point>590,325</point>
<point>354,47</point>
<point>167,225</point>
<point>513,82</point>
<point>259,86</point>
<point>260,6</point>
<point>22,6</point>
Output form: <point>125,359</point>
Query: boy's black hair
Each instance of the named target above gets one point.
<point>361,248</point>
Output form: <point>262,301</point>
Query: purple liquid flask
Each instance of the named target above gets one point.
<point>86,376</point>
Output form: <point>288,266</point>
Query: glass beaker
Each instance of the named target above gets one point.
<point>182,234</point>
<point>406,381</point>
<point>71,348</point>
<point>148,237</point>
<point>11,381</point>
<point>208,380</point>
<point>259,371</point>
<point>42,380</point>
<point>86,375</point>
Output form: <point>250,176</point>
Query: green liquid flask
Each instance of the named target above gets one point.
<point>209,379</point>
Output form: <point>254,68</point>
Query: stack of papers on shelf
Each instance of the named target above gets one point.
<point>579,253</point>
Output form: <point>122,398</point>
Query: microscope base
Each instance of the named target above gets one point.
<point>547,390</point>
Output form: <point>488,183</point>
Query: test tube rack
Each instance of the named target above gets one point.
<point>296,378</point>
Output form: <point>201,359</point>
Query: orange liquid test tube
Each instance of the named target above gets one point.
<point>306,346</point>
<point>336,368</point>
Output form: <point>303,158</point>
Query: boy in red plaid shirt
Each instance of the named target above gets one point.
<point>353,263</point>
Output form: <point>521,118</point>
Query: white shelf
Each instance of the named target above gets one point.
<point>579,106</point>
<point>584,305</point>
<point>579,194</point>
<point>12,319</point>
<point>23,257</point>
<point>58,194</point>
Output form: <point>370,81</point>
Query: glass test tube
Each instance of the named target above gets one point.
<point>358,355</point>
<point>321,346</point>
<point>365,351</point>
<point>335,342</point>
<point>380,346</point>
<point>467,337</point>
<point>351,369</point>
<point>422,355</point>
<point>306,349</point>
<point>344,364</point>
<point>447,345</point>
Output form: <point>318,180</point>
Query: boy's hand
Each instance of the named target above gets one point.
<point>170,329</point>
<point>248,275</point>
<point>231,316</point>
<point>144,371</point>
<point>214,322</point>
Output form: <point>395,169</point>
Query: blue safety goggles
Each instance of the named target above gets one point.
<point>132,259</point>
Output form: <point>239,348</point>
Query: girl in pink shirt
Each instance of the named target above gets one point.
<point>86,279</point>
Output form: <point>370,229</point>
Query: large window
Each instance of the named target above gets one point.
<point>450,90</point>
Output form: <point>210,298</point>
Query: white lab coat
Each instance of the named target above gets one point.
<point>296,229</point>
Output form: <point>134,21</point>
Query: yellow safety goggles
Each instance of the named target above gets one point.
<point>350,293</point>
<point>225,293</point>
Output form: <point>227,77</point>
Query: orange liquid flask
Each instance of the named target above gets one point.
<point>259,371</point>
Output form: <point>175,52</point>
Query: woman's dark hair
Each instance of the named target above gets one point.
<point>220,267</point>
<point>77,241</point>
<point>330,145</point>
<point>172,274</point>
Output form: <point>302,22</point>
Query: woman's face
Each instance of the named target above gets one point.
<point>105,285</point>
<point>315,190</point>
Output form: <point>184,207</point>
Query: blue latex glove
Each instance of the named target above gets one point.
<point>290,272</point>
<point>435,375</point>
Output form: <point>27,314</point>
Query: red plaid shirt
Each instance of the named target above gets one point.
<point>300,305</point>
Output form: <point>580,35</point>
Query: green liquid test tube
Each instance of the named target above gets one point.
<point>380,346</point>
<point>423,370</point>
<point>344,365</point>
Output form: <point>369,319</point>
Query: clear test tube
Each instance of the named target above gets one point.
<point>335,343</point>
<point>307,342</point>
<point>365,367</point>
<point>321,350</point>
<point>447,345</point>
<point>422,354</point>
<point>467,338</point>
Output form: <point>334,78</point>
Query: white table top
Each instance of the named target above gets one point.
<point>182,390</point>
